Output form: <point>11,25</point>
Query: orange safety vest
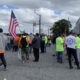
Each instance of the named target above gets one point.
<point>17,38</point>
<point>29,40</point>
<point>1,52</point>
<point>19,42</point>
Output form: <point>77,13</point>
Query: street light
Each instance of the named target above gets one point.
<point>39,21</point>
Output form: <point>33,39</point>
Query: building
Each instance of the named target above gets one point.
<point>77,27</point>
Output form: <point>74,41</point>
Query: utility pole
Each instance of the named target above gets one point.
<point>39,24</point>
<point>39,21</point>
<point>33,29</point>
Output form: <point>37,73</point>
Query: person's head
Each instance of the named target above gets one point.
<point>59,35</point>
<point>74,34</point>
<point>31,34</point>
<point>63,35</point>
<point>37,34</point>
<point>24,34</point>
<point>70,33</point>
<point>1,30</point>
<point>78,35</point>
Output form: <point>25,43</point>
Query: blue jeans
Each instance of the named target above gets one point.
<point>30,48</point>
<point>59,56</point>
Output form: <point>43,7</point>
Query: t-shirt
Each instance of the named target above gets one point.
<point>46,39</point>
<point>59,44</point>
<point>71,41</point>
<point>78,42</point>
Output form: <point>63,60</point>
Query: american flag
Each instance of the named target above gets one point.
<point>13,24</point>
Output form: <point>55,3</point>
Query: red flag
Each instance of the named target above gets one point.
<point>65,39</point>
<point>13,24</point>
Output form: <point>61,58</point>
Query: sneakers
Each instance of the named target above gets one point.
<point>5,68</point>
<point>53,55</point>
<point>27,58</point>
<point>35,60</point>
<point>78,67</point>
<point>71,67</point>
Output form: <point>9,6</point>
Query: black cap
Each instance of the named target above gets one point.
<point>37,34</point>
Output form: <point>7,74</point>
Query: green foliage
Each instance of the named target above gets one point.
<point>59,27</point>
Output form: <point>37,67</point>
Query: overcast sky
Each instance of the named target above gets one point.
<point>50,11</point>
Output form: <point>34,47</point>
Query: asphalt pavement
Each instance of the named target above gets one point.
<point>46,69</point>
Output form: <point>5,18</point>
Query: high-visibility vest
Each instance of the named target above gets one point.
<point>78,42</point>
<point>29,40</point>
<point>59,44</point>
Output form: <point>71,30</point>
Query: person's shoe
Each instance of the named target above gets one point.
<point>27,58</point>
<point>61,62</point>
<point>53,55</point>
<point>71,67</point>
<point>78,67</point>
<point>35,60</point>
<point>1,65</point>
<point>5,68</point>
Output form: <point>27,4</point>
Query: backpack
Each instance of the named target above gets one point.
<point>24,42</point>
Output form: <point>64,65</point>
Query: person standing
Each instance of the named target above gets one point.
<point>45,46</point>
<point>71,50</point>
<point>36,46</point>
<point>2,49</point>
<point>23,43</point>
<point>42,43</point>
<point>30,45</point>
<point>59,48</point>
<point>54,43</point>
<point>78,46</point>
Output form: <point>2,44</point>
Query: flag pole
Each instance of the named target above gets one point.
<point>64,45</point>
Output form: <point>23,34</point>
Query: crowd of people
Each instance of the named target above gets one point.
<point>24,44</point>
<point>28,43</point>
<point>69,44</point>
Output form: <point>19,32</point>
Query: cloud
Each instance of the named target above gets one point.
<point>5,6</point>
<point>50,11</point>
<point>54,4</point>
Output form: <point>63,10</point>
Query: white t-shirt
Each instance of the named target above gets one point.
<point>71,41</point>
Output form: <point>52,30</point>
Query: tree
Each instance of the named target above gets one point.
<point>59,27</point>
